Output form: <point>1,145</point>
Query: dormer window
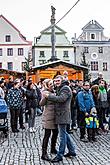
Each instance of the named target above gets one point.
<point>86,49</point>
<point>65,54</point>
<point>7,38</point>
<point>100,49</point>
<point>92,36</point>
<point>42,54</point>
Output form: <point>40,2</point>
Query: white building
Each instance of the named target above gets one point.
<point>42,48</point>
<point>13,46</point>
<point>96,48</point>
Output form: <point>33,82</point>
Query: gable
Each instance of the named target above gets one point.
<point>92,25</point>
<point>57,30</point>
<point>7,28</point>
<point>45,37</point>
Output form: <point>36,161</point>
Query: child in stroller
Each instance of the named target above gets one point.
<point>3,117</point>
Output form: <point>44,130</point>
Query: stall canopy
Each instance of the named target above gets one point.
<point>50,70</point>
<point>7,73</point>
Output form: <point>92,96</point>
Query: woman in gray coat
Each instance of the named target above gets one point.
<point>48,120</point>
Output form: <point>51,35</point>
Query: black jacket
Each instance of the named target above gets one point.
<point>32,99</point>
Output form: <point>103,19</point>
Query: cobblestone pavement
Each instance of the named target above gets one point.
<point>24,148</point>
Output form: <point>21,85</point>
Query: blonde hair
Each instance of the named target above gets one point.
<point>46,82</point>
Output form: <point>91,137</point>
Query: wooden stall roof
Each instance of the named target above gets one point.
<point>57,63</point>
<point>11,73</point>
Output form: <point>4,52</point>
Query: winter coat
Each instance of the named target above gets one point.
<point>31,99</point>
<point>14,98</point>
<point>39,95</point>
<point>108,96</point>
<point>62,104</point>
<point>48,116</point>
<point>85,101</point>
<point>103,98</point>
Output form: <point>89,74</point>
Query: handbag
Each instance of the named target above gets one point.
<point>3,106</point>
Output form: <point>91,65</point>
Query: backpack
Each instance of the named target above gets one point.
<point>92,122</point>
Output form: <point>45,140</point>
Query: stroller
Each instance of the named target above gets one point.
<point>3,117</point>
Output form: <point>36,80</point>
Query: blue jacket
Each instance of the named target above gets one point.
<point>85,101</point>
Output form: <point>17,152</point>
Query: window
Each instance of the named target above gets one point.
<point>0,65</point>
<point>42,54</point>
<point>86,50</point>
<point>0,52</point>
<point>20,51</point>
<point>23,65</point>
<point>10,65</point>
<point>10,52</point>
<point>42,62</point>
<point>94,65</point>
<point>92,36</point>
<point>104,66</point>
<point>7,38</point>
<point>100,49</point>
<point>65,54</point>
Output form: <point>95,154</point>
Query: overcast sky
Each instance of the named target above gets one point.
<point>33,16</point>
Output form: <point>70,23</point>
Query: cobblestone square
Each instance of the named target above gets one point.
<point>24,148</point>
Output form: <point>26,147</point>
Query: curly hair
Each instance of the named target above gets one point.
<point>95,90</point>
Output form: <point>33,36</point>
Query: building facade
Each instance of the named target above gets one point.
<point>95,48</point>
<point>13,46</point>
<point>42,48</point>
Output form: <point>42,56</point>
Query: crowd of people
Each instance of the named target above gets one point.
<point>21,97</point>
<point>65,106</point>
